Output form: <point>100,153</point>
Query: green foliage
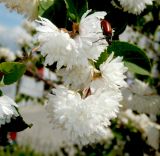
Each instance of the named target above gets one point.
<point>57,13</point>
<point>103,57</point>
<point>131,54</point>
<point>12,71</point>
<point>15,125</point>
<point>135,58</point>
<point>136,69</point>
<point>75,9</point>
<point>44,5</point>
<point>1,93</point>
<point>16,150</point>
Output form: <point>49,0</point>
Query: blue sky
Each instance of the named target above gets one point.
<point>9,18</point>
<point>10,23</point>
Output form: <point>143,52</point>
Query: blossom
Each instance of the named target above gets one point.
<point>135,6</point>
<point>112,74</point>
<point>78,77</point>
<point>91,38</point>
<point>58,46</point>
<point>82,120</point>
<point>149,129</point>
<point>141,98</point>
<point>6,55</point>
<point>26,7</point>
<point>7,109</point>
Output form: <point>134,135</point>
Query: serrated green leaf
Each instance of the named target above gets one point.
<point>131,53</point>
<point>136,69</point>
<point>12,71</point>
<point>103,57</point>
<point>76,9</point>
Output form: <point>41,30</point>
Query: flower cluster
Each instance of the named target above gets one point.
<point>6,55</point>
<point>58,46</point>
<point>141,98</point>
<point>7,109</point>
<point>82,108</point>
<point>135,6</point>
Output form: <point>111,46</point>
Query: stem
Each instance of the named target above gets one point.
<point>36,75</point>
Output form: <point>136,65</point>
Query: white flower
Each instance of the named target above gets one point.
<point>135,6</point>
<point>112,74</point>
<point>149,129</point>
<point>141,98</point>
<point>141,88</point>
<point>7,109</point>
<point>91,39</point>
<point>78,77</point>
<point>26,7</point>
<point>59,47</point>
<point>83,120</point>
<point>6,54</point>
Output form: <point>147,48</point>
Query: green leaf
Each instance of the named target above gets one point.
<point>103,57</point>
<point>16,125</point>
<point>44,5</point>
<point>57,13</point>
<point>136,69</point>
<point>1,93</point>
<point>130,53</point>
<point>12,71</point>
<point>76,8</point>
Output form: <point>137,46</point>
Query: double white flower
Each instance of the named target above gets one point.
<point>84,114</point>
<point>83,120</point>
<point>58,46</point>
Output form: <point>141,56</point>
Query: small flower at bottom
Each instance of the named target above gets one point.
<point>7,109</point>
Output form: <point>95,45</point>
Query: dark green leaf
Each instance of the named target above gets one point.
<point>130,53</point>
<point>1,93</point>
<point>57,13</point>
<point>103,57</point>
<point>12,71</point>
<point>136,69</point>
<point>76,8</point>
<point>16,125</point>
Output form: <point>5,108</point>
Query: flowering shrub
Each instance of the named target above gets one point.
<point>80,42</point>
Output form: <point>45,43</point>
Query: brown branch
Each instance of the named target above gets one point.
<point>36,75</point>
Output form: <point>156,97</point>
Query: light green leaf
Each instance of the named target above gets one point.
<point>12,71</point>
<point>136,69</point>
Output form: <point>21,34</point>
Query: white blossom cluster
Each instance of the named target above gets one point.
<point>82,109</point>
<point>141,98</point>
<point>7,109</point>
<point>149,129</point>
<point>135,6</point>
